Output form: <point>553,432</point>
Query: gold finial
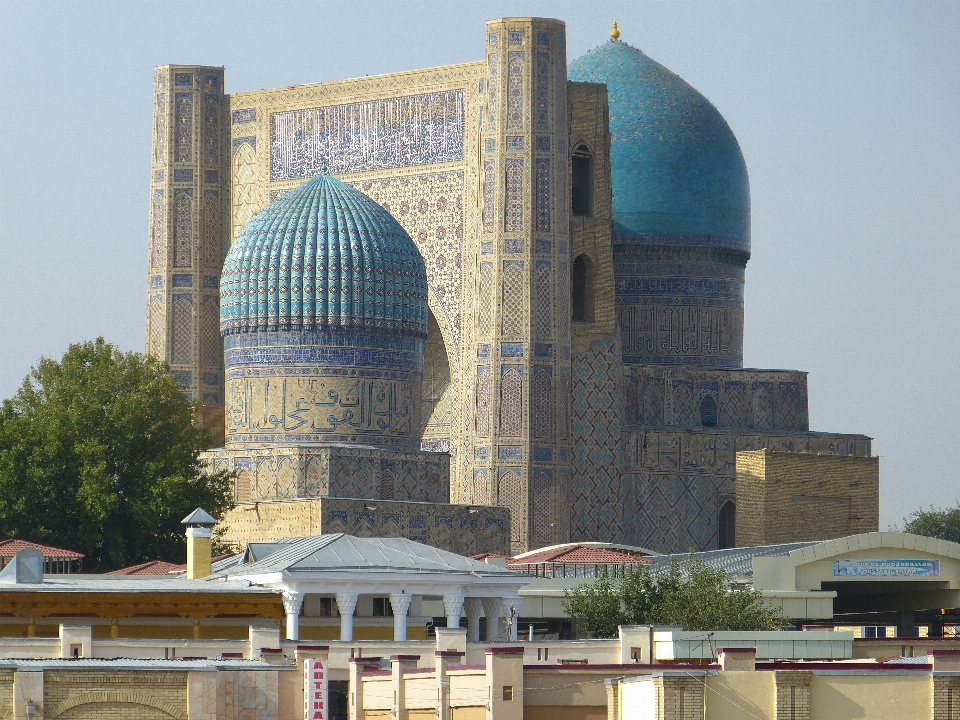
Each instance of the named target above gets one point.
<point>615,33</point>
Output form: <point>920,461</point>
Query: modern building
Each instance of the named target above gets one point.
<point>523,291</point>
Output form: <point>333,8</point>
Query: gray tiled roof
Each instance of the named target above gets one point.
<point>128,584</point>
<point>339,552</point>
<point>736,561</point>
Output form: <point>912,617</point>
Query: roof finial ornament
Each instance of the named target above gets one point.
<point>615,32</point>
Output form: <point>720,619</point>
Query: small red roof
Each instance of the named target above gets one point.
<point>152,567</point>
<point>9,548</point>
<point>580,554</point>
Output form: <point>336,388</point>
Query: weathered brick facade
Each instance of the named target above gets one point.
<point>790,497</point>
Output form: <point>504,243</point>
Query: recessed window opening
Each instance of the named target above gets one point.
<point>727,525</point>
<point>382,607</point>
<point>581,187</point>
<point>582,290</point>
<point>708,411</point>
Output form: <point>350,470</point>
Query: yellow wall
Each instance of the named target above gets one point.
<point>856,697</point>
<point>564,712</point>
<point>468,713</point>
<point>738,695</point>
<point>789,497</point>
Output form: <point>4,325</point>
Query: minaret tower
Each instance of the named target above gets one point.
<point>522,319</point>
<point>186,236</point>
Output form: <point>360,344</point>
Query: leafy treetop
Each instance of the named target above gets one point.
<point>99,453</point>
<point>693,595</point>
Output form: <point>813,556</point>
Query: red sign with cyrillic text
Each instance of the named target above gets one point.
<point>315,690</point>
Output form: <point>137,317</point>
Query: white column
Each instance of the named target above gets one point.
<point>346,604</point>
<point>400,602</point>
<point>474,608</point>
<point>511,613</point>
<point>292,600</point>
<point>453,608</point>
<point>491,610</point>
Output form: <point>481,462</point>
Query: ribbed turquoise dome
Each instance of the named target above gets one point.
<point>324,257</point>
<point>677,169</point>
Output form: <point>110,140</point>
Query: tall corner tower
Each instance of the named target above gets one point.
<point>521,426</point>
<point>188,182</point>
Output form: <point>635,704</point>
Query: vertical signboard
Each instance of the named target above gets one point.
<point>315,690</point>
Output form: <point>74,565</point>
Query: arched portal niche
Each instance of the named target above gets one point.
<point>436,390</point>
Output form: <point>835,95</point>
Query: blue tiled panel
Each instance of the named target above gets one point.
<point>370,135</point>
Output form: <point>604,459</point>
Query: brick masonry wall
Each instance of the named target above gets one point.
<point>119,695</point>
<point>789,497</point>
<point>946,697</point>
<point>792,694</point>
<point>6,693</point>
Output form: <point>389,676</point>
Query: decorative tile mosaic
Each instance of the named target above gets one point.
<point>183,79</point>
<point>515,89</point>
<point>541,101</point>
<point>481,452</point>
<point>183,228</point>
<point>211,345</point>
<point>211,239</point>
<point>489,194</point>
<point>490,145</point>
<point>158,176</point>
<point>544,350</point>
<point>542,454</point>
<point>514,143</point>
<point>370,135</point>
<point>483,408</point>
<point>211,176</point>
<point>160,129</point>
<point>542,403</point>
<point>481,487</point>
<point>510,452</point>
<point>510,493</point>
<point>182,281</point>
<point>211,378</point>
<point>483,350</point>
<point>513,196</point>
<point>183,175</point>
<point>543,523</point>
<point>211,281</point>
<point>511,400</point>
<point>244,115</point>
<point>513,246</point>
<point>493,40</point>
<point>511,350</point>
<point>486,247</point>
<point>542,194</point>
<point>543,247</point>
<point>182,329</point>
<point>485,311</point>
<point>183,127</point>
<point>493,75</point>
<point>543,309</point>
<point>182,377</point>
<point>211,129</point>
<point>543,143</point>
<point>156,281</point>
<point>512,319</point>
<point>516,37</point>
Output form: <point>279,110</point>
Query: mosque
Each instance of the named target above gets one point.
<point>491,307</point>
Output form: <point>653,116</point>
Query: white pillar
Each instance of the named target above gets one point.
<point>292,600</point>
<point>474,608</point>
<point>346,604</point>
<point>491,610</point>
<point>400,602</point>
<point>511,613</point>
<point>453,608</point>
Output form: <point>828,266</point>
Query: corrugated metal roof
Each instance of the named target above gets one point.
<point>736,561</point>
<point>341,552</point>
<point>130,584</point>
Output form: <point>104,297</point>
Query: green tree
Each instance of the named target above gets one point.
<point>940,524</point>
<point>99,454</point>
<point>692,594</point>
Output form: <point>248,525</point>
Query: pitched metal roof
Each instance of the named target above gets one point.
<point>199,517</point>
<point>9,548</point>
<point>339,552</point>
<point>130,584</point>
<point>736,561</point>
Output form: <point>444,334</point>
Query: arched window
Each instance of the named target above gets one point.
<point>581,187</point>
<point>581,291</point>
<point>708,411</point>
<point>727,525</point>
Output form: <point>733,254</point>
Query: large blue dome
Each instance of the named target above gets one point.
<point>677,170</point>
<point>324,257</point>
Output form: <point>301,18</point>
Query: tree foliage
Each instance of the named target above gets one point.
<point>940,524</point>
<point>692,594</point>
<point>99,454</point>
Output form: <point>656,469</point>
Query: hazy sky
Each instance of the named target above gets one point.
<point>848,114</point>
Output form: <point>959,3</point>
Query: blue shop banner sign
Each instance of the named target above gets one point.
<point>886,568</point>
